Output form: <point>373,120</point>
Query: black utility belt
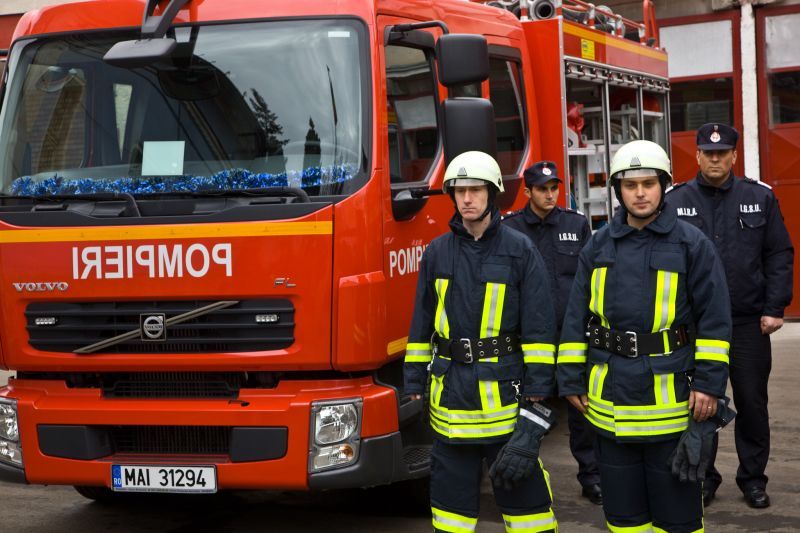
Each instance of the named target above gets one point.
<point>471,350</point>
<point>633,344</point>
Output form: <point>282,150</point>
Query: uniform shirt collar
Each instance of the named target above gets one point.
<point>702,181</point>
<point>532,218</point>
<point>457,226</point>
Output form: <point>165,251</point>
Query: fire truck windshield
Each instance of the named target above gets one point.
<point>236,106</point>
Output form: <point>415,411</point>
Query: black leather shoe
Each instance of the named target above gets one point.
<point>593,493</point>
<point>756,497</point>
<point>709,493</point>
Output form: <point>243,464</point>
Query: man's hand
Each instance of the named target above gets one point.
<point>578,402</point>
<point>534,398</point>
<point>770,324</point>
<point>415,396</point>
<point>703,405</point>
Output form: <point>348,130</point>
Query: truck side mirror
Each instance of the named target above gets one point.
<point>468,123</point>
<point>463,59</point>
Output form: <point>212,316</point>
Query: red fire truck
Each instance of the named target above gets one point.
<point>213,213</point>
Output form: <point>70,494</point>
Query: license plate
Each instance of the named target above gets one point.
<point>145,478</point>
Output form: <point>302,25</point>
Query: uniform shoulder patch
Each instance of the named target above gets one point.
<point>511,214</point>
<point>574,211</point>
<point>758,182</point>
<point>674,186</point>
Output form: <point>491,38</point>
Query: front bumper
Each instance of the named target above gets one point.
<point>83,415</point>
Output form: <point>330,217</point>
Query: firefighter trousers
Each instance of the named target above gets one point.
<point>581,444</point>
<point>641,494</point>
<point>456,471</point>
<point>751,363</point>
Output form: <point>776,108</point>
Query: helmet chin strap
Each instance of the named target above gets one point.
<point>489,204</point>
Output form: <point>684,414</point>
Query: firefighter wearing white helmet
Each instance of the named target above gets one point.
<point>643,351</point>
<point>474,169</point>
<point>484,325</point>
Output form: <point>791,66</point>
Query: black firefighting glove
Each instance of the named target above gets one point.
<point>518,459</point>
<point>690,458</point>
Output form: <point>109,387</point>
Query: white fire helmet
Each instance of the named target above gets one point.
<point>472,169</point>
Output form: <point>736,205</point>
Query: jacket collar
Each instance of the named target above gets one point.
<point>662,224</point>
<point>725,187</point>
<point>457,226</point>
<point>532,218</point>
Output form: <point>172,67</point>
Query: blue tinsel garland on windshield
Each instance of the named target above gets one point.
<point>226,180</point>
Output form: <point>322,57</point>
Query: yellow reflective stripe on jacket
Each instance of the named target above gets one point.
<point>490,395</point>
<point>596,304</point>
<point>666,292</point>
<point>646,412</point>
<point>491,319</point>
<point>452,522</point>
<point>645,428</point>
<point>572,352</point>
<point>644,528</point>
<point>492,309</point>
<point>664,389</point>
<point>530,523</point>
<point>440,318</point>
<point>460,416</point>
<point>597,378</point>
<point>538,352</point>
<point>418,352</point>
<point>437,386</point>
<point>473,431</point>
<point>711,350</point>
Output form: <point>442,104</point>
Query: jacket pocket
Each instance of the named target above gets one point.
<point>752,229</point>
<point>567,259</point>
<point>495,273</point>
<point>681,360</point>
<point>669,261</point>
<point>439,368</point>
<point>499,382</point>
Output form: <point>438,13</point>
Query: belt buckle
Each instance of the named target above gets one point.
<point>633,338</point>
<point>467,345</point>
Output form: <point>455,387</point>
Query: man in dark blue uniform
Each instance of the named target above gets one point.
<point>484,325</point>
<point>644,347</point>
<point>559,234</point>
<point>742,218</point>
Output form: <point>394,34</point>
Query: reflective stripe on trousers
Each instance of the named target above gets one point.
<point>452,522</point>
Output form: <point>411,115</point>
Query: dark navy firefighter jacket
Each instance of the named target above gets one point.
<point>743,220</point>
<point>663,276</point>
<point>559,237</point>
<point>479,289</point>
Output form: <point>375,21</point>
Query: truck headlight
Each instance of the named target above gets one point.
<point>9,430</point>
<point>10,449</point>
<point>335,433</point>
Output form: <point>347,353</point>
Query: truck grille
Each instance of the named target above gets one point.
<point>232,329</point>
<point>172,385</point>
<point>178,440</point>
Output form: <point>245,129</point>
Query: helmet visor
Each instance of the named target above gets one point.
<point>466,182</point>
<point>637,173</point>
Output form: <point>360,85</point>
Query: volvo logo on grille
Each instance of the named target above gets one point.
<point>153,326</point>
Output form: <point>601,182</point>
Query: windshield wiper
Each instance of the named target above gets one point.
<point>273,192</point>
<point>131,206</point>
